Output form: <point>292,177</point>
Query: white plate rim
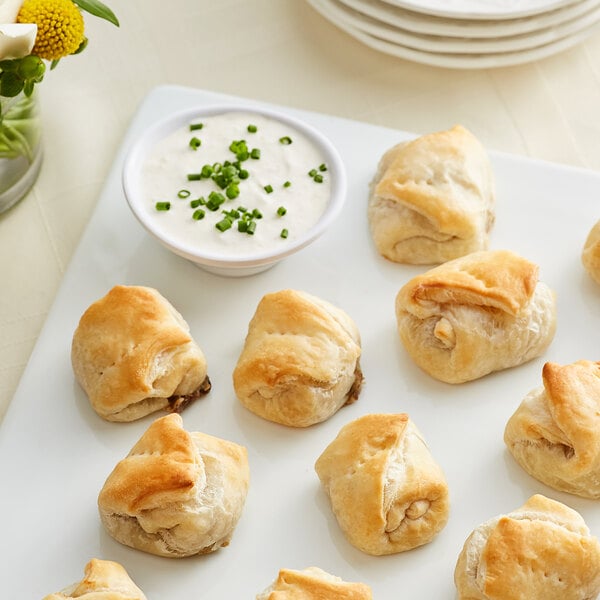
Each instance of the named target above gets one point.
<point>458,61</point>
<point>433,25</point>
<point>475,9</point>
<point>455,45</point>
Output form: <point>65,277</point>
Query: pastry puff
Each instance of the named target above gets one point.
<point>476,314</point>
<point>542,550</point>
<point>555,433</point>
<point>313,584</point>
<point>176,493</point>
<point>590,257</point>
<point>300,361</point>
<point>386,491</point>
<point>104,580</point>
<point>432,198</point>
<point>132,353</point>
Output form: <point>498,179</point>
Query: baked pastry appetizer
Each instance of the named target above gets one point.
<point>476,314</point>
<point>541,550</point>
<point>555,433</point>
<point>313,584</point>
<point>386,491</point>
<point>590,256</point>
<point>132,353</point>
<point>300,361</point>
<point>104,580</point>
<point>432,198</point>
<point>176,493</point>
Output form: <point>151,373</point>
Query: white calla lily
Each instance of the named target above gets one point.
<point>17,40</point>
<point>9,9</point>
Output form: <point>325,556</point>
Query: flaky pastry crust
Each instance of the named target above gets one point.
<point>104,580</point>
<point>555,432</point>
<point>176,493</point>
<point>133,354</point>
<point>476,314</point>
<point>432,198</point>
<point>541,550</point>
<point>386,491</point>
<point>300,360</point>
<point>313,584</point>
<point>590,257</point>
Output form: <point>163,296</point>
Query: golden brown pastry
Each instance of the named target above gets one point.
<point>476,314</point>
<point>132,353</point>
<point>555,433</point>
<point>542,550</point>
<point>104,580</point>
<point>300,361</point>
<point>386,491</point>
<point>590,256</point>
<point>176,493</point>
<point>432,198</point>
<point>313,584</point>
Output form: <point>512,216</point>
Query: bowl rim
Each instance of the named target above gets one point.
<point>166,125</point>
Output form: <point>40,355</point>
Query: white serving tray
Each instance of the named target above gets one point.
<point>55,452</point>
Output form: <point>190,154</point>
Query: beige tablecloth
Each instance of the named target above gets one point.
<point>280,51</point>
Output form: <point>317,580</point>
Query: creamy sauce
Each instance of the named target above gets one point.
<point>168,164</point>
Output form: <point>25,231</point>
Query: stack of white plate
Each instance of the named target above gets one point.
<point>465,34</point>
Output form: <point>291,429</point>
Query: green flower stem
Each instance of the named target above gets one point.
<point>19,128</point>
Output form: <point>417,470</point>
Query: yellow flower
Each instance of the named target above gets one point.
<point>59,23</point>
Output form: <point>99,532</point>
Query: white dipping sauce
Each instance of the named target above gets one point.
<point>168,164</point>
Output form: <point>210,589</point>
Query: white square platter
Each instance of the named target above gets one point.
<point>55,452</point>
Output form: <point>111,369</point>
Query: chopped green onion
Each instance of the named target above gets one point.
<point>242,226</point>
<point>256,214</point>
<point>224,224</point>
<point>163,205</point>
<point>323,167</point>
<point>232,191</point>
<point>243,174</point>
<point>312,172</point>
<point>252,128</point>
<point>255,153</point>
<point>195,143</point>
<point>215,199</point>
<point>268,189</point>
<point>183,193</point>
<point>286,140</point>
<point>242,209</point>
<point>281,211</point>
<point>207,171</point>
<point>284,233</point>
<point>196,203</point>
<point>194,176</point>
<point>287,184</point>
<point>217,167</point>
<point>196,126</point>
<point>318,178</point>
<point>198,215</point>
<point>251,227</point>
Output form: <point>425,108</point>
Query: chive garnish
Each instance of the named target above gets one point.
<point>207,171</point>
<point>194,176</point>
<point>255,153</point>
<point>232,191</point>
<point>163,205</point>
<point>281,211</point>
<point>318,178</point>
<point>252,128</point>
<point>268,189</point>
<point>198,215</point>
<point>196,203</point>
<point>284,233</point>
<point>287,184</point>
<point>322,167</point>
<point>312,172</point>
<point>224,224</point>
<point>196,126</point>
<point>286,140</point>
<point>195,143</point>
<point>183,193</point>
<point>251,227</point>
<point>256,214</point>
<point>242,226</point>
<point>243,174</point>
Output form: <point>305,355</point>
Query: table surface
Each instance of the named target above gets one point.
<point>278,51</point>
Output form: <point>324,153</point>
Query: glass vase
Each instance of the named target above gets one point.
<point>20,147</point>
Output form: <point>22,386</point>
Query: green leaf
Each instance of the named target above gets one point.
<point>98,9</point>
<point>54,63</point>
<point>10,84</point>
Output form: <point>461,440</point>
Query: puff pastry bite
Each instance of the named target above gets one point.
<point>387,492</point>
<point>542,550</point>
<point>555,433</point>
<point>313,584</point>
<point>300,361</point>
<point>476,314</point>
<point>176,493</point>
<point>590,257</point>
<point>104,580</point>
<point>133,354</point>
<point>432,198</point>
